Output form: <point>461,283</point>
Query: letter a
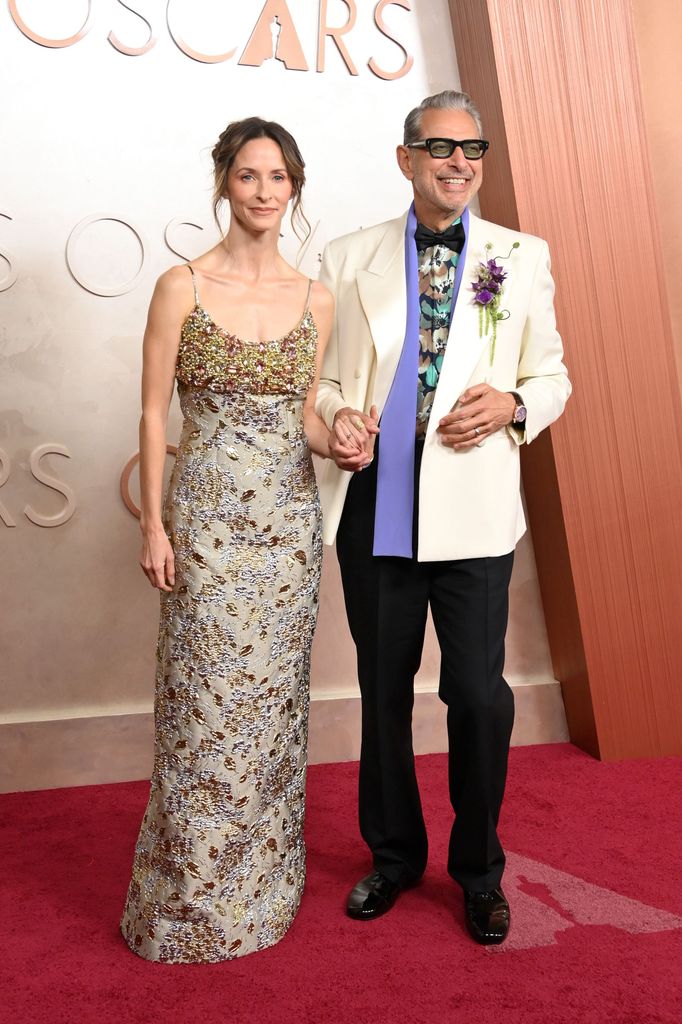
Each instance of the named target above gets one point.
<point>259,46</point>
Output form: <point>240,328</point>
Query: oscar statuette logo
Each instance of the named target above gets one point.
<point>273,37</point>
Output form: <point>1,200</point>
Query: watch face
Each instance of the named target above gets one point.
<point>520,414</point>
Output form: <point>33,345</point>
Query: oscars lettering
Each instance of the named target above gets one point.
<point>274,36</point>
<point>79,271</point>
<point>93,287</point>
<point>40,474</point>
<point>126,473</point>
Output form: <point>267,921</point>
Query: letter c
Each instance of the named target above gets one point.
<point>203,58</point>
<point>171,449</point>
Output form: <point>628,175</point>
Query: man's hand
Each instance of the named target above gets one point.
<point>480,411</point>
<point>351,439</point>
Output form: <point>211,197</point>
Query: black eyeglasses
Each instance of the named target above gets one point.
<point>473,149</point>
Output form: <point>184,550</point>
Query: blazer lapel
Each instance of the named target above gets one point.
<point>465,346</point>
<point>382,290</point>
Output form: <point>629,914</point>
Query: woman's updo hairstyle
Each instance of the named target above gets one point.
<point>236,135</point>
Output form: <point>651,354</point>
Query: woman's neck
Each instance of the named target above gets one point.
<point>252,255</point>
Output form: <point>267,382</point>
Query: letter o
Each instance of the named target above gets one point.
<point>96,289</point>
<point>43,40</point>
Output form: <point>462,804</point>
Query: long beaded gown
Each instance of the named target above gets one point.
<point>219,863</point>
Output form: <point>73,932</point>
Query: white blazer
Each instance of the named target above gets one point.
<point>469,501</point>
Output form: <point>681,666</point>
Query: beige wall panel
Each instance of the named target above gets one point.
<point>118,747</point>
<point>79,622</point>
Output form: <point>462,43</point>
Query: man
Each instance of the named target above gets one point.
<point>445,333</point>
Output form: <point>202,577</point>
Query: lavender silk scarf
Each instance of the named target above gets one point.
<point>395,475</point>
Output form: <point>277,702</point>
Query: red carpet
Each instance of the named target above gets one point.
<point>593,879</point>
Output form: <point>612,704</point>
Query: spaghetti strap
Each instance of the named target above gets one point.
<point>194,283</point>
<point>307,298</point>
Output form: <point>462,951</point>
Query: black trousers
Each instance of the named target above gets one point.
<point>387,601</point>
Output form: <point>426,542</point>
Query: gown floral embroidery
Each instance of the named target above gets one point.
<point>219,864</point>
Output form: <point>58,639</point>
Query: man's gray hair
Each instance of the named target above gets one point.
<point>448,100</point>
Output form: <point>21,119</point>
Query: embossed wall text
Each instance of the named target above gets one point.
<point>9,279</point>
<point>47,480</point>
<point>79,276</point>
<point>274,37</point>
<point>130,465</point>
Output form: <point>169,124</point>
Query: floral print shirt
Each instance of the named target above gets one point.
<point>436,266</point>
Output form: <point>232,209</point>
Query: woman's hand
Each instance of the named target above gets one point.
<point>157,560</point>
<point>352,437</point>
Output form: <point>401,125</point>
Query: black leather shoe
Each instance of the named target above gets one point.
<point>487,916</point>
<point>373,896</point>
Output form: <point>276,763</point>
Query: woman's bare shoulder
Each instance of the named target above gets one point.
<point>174,293</point>
<point>175,282</point>
<point>321,298</point>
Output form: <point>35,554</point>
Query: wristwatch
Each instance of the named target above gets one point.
<point>520,412</point>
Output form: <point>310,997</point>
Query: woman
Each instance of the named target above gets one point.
<point>220,861</point>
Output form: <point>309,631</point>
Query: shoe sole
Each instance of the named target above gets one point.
<point>488,941</point>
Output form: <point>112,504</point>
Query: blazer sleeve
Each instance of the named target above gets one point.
<point>542,379</point>
<point>329,398</point>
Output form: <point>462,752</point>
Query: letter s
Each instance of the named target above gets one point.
<point>57,485</point>
<point>381,25</point>
<point>133,51</point>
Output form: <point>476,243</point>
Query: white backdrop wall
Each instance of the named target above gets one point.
<point>105,182</point>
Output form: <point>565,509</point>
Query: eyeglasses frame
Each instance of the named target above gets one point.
<point>456,144</point>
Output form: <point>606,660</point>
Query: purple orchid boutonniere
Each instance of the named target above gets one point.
<point>487,288</point>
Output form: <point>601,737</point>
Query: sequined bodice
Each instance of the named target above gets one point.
<point>210,357</point>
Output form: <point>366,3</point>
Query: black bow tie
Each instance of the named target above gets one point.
<point>453,237</point>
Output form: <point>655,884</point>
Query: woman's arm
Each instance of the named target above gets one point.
<point>171,303</point>
<point>352,432</point>
<point>322,308</point>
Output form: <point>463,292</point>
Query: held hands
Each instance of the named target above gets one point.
<point>157,560</point>
<point>479,412</point>
<point>352,437</point>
